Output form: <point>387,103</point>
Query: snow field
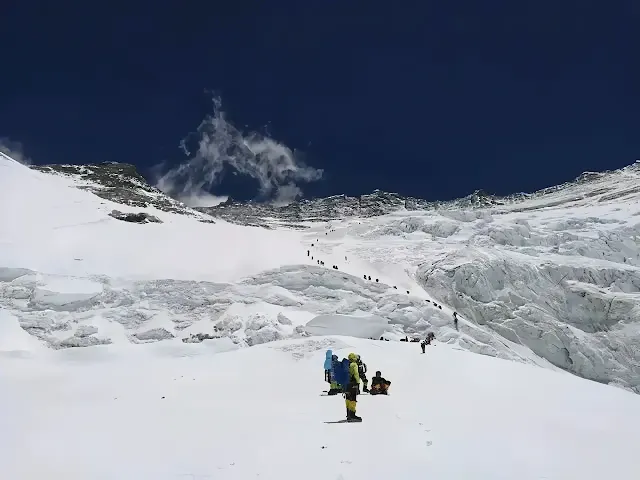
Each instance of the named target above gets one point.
<point>552,279</point>
<point>171,410</point>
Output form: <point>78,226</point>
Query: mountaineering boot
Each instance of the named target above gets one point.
<point>365,389</point>
<point>354,418</point>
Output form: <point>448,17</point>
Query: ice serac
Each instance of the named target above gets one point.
<point>549,278</point>
<point>348,325</point>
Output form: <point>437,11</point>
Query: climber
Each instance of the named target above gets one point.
<point>455,320</point>
<point>353,389</point>
<point>327,365</point>
<point>362,373</point>
<point>379,385</point>
<point>334,387</point>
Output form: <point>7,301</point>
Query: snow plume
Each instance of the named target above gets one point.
<point>217,147</point>
<point>14,150</point>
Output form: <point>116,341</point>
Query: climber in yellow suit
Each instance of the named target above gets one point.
<point>353,388</point>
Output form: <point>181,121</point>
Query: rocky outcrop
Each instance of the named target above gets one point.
<point>119,183</point>
<point>140,217</point>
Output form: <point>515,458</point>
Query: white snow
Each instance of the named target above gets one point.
<point>551,283</point>
<point>173,411</point>
<point>13,339</point>
<point>48,225</point>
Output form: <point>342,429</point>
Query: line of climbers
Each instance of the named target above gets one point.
<point>345,376</point>
<point>368,277</point>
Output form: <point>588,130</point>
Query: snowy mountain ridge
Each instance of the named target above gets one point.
<point>122,183</point>
<point>550,278</point>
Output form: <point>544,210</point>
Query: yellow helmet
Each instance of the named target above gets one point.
<point>353,357</point>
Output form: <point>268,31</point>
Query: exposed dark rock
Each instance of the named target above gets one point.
<point>140,217</point>
<point>119,183</point>
<point>199,337</point>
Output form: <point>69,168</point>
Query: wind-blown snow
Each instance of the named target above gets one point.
<point>172,410</point>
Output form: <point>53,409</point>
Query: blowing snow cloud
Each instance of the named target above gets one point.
<point>218,147</point>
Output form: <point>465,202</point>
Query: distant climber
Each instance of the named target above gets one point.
<point>379,385</point>
<point>427,341</point>
<point>327,365</point>
<point>376,280</point>
<point>395,287</point>
<point>308,253</point>
<point>455,320</point>
<point>312,245</point>
<point>407,292</point>
<point>369,277</point>
<point>365,277</point>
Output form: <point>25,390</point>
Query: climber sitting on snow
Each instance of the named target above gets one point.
<point>379,385</point>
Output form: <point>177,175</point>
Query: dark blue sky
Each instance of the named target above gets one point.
<point>426,98</point>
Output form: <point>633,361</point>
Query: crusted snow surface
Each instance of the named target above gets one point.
<point>552,280</point>
<point>349,325</point>
<point>170,411</point>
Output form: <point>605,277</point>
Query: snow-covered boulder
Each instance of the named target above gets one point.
<point>76,341</point>
<point>153,335</point>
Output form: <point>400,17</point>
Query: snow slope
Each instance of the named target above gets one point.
<point>172,411</point>
<point>550,279</point>
<point>48,225</point>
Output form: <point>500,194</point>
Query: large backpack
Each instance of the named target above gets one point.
<point>341,372</point>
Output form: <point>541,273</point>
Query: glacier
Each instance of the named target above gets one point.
<point>102,317</point>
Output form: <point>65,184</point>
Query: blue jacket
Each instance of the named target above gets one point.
<point>327,360</point>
